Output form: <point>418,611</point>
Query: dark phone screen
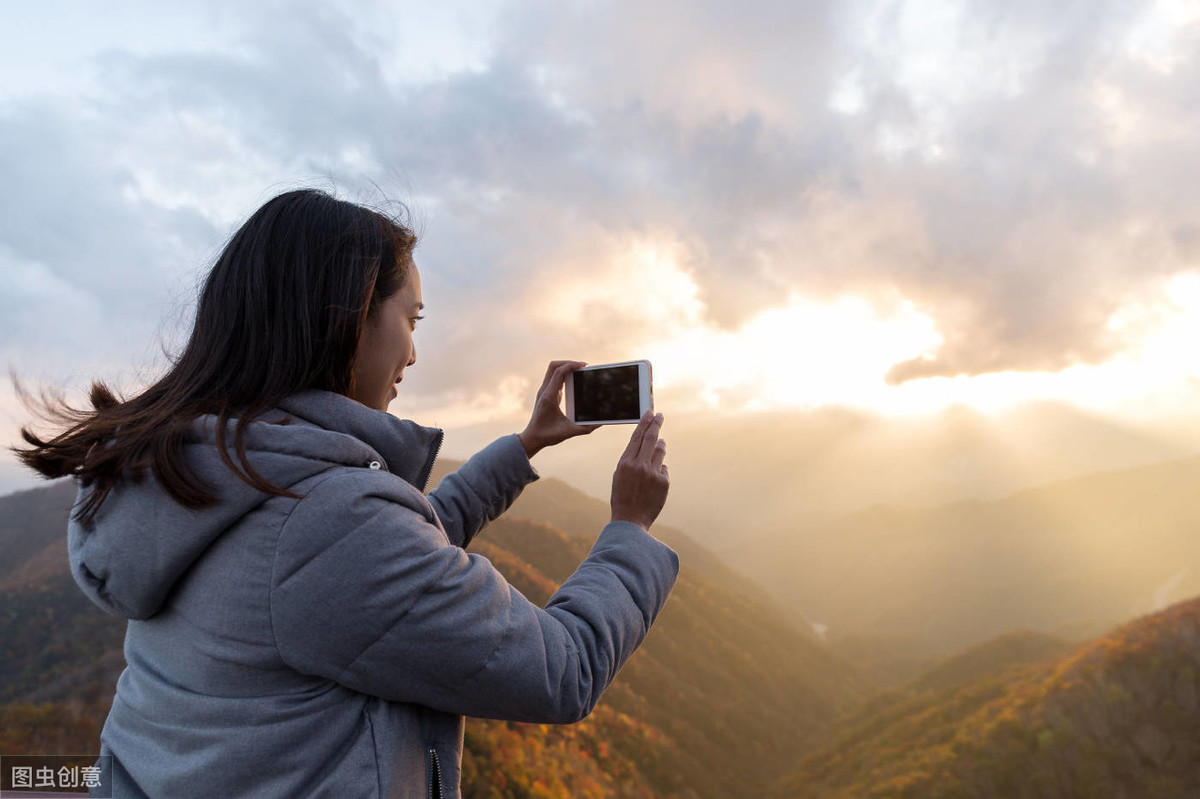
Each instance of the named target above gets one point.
<point>606,394</point>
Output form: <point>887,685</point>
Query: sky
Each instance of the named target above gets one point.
<point>895,208</point>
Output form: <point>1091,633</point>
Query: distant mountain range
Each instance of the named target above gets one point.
<point>1116,717</point>
<point>738,477</point>
<point>1071,559</point>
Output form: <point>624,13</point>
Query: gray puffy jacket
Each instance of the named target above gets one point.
<point>330,645</point>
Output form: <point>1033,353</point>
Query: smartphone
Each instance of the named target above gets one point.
<point>610,393</point>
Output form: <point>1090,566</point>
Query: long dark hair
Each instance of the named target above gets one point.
<point>282,310</point>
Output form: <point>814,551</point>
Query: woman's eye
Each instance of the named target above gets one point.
<point>414,319</point>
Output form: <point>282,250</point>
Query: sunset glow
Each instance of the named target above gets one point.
<point>807,353</point>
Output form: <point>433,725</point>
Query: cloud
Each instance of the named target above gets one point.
<point>90,270</point>
<point>1017,173</point>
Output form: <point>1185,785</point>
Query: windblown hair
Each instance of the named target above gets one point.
<point>282,310</point>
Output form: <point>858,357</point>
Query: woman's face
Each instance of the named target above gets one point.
<point>386,346</point>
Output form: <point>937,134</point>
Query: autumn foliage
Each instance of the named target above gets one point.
<point>1116,717</point>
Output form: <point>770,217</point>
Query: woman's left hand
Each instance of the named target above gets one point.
<point>549,425</point>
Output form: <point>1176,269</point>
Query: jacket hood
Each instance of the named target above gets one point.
<point>142,542</point>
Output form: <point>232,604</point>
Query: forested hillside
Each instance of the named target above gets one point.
<point>1115,717</point>
<point>717,702</point>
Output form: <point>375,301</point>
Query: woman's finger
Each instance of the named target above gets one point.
<point>546,380</point>
<point>635,440</point>
<point>650,439</point>
<point>660,452</point>
<point>554,367</point>
<point>553,388</point>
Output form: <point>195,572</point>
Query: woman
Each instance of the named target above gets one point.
<point>303,620</point>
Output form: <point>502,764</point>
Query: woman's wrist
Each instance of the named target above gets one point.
<point>531,447</point>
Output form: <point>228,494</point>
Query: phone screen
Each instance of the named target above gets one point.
<point>607,394</point>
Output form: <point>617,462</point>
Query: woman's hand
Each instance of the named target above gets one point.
<point>549,425</point>
<point>640,482</point>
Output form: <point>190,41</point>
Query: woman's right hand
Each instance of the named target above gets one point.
<point>640,483</point>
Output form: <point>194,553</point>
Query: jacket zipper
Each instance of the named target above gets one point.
<point>435,775</point>
<point>437,449</point>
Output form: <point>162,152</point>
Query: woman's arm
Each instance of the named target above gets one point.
<point>481,489</point>
<point>366,592</point>
<point>487,484</point>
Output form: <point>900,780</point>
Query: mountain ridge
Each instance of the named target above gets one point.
<point>683,714</point>
<point>1072,558</point>
<point>1115,716</point>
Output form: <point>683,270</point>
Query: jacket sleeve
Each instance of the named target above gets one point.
<point>482,488</point>
<point>368,592</point>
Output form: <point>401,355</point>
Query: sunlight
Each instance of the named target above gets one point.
<point>1156,38</point>
<point>1161,358</point>
<point>1174,348</point>
<point>802,354</point>
<point>641,284</point>
<point>807,352</point>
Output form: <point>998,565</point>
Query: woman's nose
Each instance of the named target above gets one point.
<point>412,358</point>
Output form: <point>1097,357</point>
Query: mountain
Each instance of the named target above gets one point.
<point>979,661</point>
<point>736,477</point>
<point>1070,559</point>
<point>723,694</point>
<point>1118,716</point>
<point>29,544</point>
<point>554,502</point>
<point>55,645</point>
